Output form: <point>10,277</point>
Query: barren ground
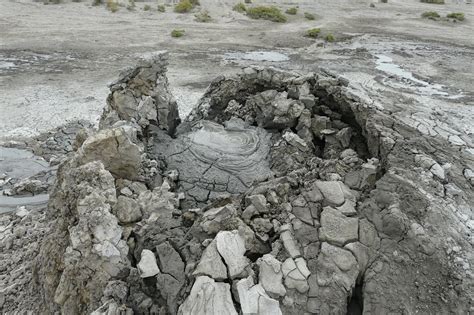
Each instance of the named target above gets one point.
<point>56,60</point>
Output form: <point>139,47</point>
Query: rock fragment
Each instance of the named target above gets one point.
<point>231,246</point>
<point>336,228</point>
<point>270,275</point>
<point>208,297</point>
<point>254,300</point>
<point>294,277</point>
<point>147,267</point>
<point>332,192</point>
<point>127,210</point>
<point>211,264</point>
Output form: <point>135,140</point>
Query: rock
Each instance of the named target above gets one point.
<point>318,124</point>
<point>231,247</point>
<point>254,300</point>
<point>294,279</point>
<point>363,178</point>
<point>112,308</point>
<point>295,141</point>
<point>344,136</point>
<point>127,210</point>
<point>213,219</point>
<point>362,255</point>
<point>170,261</point>
<point>259,202</point>
<point>169,288</point>
<point>348,208</point>
<point>116,149</point>
<point>208,297</point>
<point>304,214</point>
<point>21,212</point>
<point>211,264</point>
<point>332,192</point>
<point>301,265</point>
<point>290,243</point>
<point>336,228</point>
<point>368,234</point>
<point>437,171</point>
<point>29,186</point>
<point>147,266</point>
<point>270,276</point>
<point>261,225</point>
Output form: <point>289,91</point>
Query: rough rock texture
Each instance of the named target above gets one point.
<point>281,193</point>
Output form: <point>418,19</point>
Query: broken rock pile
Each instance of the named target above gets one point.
<point>281,193</point>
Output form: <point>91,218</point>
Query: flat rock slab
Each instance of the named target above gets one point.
<point>208,297</point>
<point>332,191</point>
<point>336,228</point>
<point>212,158</point>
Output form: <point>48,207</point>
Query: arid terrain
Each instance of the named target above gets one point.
<point>241,168</point>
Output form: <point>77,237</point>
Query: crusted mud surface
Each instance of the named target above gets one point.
<point>328,179</point>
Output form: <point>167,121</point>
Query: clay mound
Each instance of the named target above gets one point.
<point>281,193</point>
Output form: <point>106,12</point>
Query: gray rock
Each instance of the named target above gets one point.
<point>290,243</point>
<point>231,246</point>
<point>294,279</point>
<point>318,124</point>
<point>116,149</point>
<point>211,264</point>
<point>147,267</point>
<point>170,261</point>
<point>259,202</point>
<point>215,217</point>
<point>363,178</point>
<point>344,136</point>
<point>208,297</point>
<point>332,191</point>
<point>336,228</point>
<point>295,141</point>
<point>254,300</point>
<point>348,208</point>
<point>127,210</point>
<point>270,276</point>
<point>368,234</point>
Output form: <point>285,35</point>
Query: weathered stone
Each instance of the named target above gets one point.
<point>147,265</point>
<point>270,275</point>
<point>127,210</point>
<point>348,208</point>
<point>332,192</point>
<point>259,202</point>
<point>170,261</point>
<point>231,247</point>
<point>368,234</point>
<point>290,244</point>
<point>336,228</point>
<point>295,141</point>
<point>254,300</point>
<point>211,264</point>
<point>344,136</point>
<point>116,149</point>
<point>363,178</point>
<point>214,218</point>
<point>208,297</point>
<point>318,124</point>
<point>294,279</point>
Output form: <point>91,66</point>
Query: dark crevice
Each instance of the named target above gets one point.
<point>355,304</point>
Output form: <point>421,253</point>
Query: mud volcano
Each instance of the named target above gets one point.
<point>281,193</point>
